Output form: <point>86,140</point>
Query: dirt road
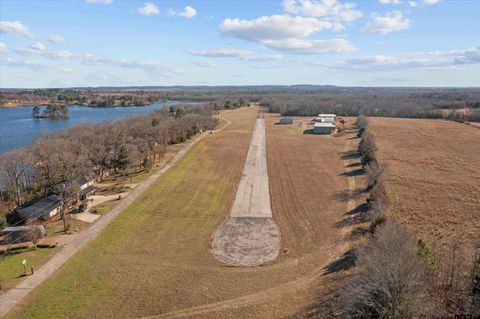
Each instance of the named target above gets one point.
<point>250,236</point>
<point>10,298</point>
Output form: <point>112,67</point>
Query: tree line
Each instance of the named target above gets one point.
<point>88,150</point>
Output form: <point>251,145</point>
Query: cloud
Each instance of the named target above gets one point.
<point>15,27</point>
<point>390,1</point>
<point>223,53</point>
<point>274,27</point>
<point>188,12</point>
<point>90,59</point>
<point>16,62</point>
<point>287,33</point>
<point>99,1</point>
<point>39,49</point>
<point>204,63</point>
<point>148,9</point>
<point>305,46</point>
<point>330,9</point>
<point>56,38</point>
<point>417,60</point>
<point>266,58</point>
<point>3,47</point>
<point>390,22</point>
<point>38,46</point>
<point>235,53</point>
<point>416,3</point>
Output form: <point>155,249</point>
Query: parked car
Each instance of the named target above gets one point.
<point>82,208</point>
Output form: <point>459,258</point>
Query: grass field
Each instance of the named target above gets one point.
<point>11,267</point>
<point>155,257</point>
<point>434,176</point>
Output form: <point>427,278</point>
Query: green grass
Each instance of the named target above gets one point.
<point>11,267</point>
<point>132,267</point>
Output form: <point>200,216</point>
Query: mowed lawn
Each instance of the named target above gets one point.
<point>132,269</point>
<point>11,267</point>
<point>433,179</point>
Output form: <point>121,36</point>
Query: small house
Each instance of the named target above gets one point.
<point>286,120</point>
<point>323,128</point>
<point>40,209</point>
<point>20,234</point>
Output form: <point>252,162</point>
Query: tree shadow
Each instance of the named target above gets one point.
<point>345,262</point>
<point>354,164</point>
<point>358,215</point>
<point>358,232</point>
<point>348,195</point>
<point>349,155</point>
<point>357,172</point>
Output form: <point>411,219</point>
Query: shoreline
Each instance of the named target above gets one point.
<point>3,106</point>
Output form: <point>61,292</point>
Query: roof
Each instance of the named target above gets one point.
<point>327,115</point>
<point>21,228</point>
<point>40,207</point>
<point>324,124</point>
<point>88,189</point>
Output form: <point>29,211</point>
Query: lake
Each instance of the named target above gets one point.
<point>19,129</point>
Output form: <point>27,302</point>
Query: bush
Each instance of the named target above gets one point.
<point>46,246</point>
<point>378,221</point>
<point>368,157</point>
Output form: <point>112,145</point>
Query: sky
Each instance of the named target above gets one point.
<point>76,43</point>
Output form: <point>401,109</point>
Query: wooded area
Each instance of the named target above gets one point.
<point>91,151</point>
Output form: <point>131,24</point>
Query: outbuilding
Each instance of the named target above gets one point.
<point>323,128</point>
<point>326,118</point>
<point>286,120</point>
<point>20,234</point>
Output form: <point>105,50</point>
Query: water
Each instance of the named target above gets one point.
<point>19,129</point>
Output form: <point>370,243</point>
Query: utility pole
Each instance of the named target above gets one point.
<point>62,202</point>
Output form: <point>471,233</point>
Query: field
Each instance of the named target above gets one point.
<point>155,257</point>
<point>433,176</point>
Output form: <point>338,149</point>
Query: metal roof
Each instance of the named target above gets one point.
<point>324,124</point>
<point>327,115</point>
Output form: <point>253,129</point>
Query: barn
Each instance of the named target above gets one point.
<point>323,127</point>
<point>286,120</point>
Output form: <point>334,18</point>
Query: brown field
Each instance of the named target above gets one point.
<point>433,180</point>
<point>155,258</point>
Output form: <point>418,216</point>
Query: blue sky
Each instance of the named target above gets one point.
<point>351,43</point>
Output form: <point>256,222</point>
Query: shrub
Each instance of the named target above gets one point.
<point>368,157</point>
<point>360,132</point>
<point>378,221</point>
<point>426,253</point>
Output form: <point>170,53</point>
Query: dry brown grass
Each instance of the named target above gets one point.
<point>433,180</point>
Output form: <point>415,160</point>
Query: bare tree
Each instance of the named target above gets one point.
<point>391,280</point>
<point>375,173</point>
<point>14,172</point>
